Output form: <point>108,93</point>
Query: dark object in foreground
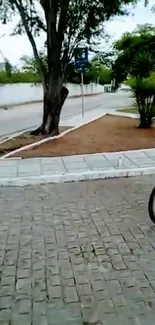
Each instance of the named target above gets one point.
<point>151,205</point>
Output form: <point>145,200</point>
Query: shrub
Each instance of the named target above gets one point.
<point>144,94</point>
<point>142,83</point>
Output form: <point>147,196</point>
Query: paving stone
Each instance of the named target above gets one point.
<point>70,294</point>
<point>21,320</point>
<point>23,306</point>
<point>98,285</point>
<point>119,301</point>
<point>106,305</point>
<point>6,302</point>
<point>114,287</point>
<point>40,320</point>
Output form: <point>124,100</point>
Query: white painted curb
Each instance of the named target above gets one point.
<point>76,177</point>
<point>14,135</point>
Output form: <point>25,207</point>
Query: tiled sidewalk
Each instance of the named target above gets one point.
<point>40,167</point>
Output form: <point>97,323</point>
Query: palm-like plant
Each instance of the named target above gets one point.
<point>142,65</point>
<point>142,83</point>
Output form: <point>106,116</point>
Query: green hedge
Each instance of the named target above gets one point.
<point>18,77</point>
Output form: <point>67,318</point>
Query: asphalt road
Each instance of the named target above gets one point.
<point>29,116</point>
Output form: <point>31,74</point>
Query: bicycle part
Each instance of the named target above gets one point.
<point>151,205</point>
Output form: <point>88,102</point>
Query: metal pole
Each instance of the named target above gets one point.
<point>82,93</point>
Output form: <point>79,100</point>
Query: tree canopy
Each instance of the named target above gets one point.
<point>141,40</point>
<point>66,24</point>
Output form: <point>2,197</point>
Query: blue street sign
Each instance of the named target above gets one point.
<point>81,58</point>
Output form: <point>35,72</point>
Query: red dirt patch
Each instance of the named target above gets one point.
<point>22,140</point>
<point>107,134</point>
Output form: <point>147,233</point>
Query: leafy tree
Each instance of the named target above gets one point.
<point>97,69</point>
<point>66,24</point>
<point>99,72</point>
<point>129,46</point>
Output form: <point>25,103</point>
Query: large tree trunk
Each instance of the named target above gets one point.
<point>54,98</point>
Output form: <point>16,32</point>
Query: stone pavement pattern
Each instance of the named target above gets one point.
<point>77,254</point>
<point>20,168</point>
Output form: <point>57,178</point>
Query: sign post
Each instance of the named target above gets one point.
<point>81,59</point>
<point>82,94</point>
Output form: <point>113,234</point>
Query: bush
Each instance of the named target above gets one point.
<point>142,83</point>
<point>144,94</point>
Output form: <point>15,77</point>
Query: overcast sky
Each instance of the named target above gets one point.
<point>13,47</point>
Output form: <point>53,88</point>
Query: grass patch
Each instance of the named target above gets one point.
<point>132,110</point>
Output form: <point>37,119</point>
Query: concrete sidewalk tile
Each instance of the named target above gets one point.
<point>113,155</point>
<point>51,160</point>
<point>123,163</point>
<point>26,168</point>
<point>141,162</point>
<point>94,158</point>
<point>98,169</point>
<point>150,153</point>
<point>100,164</point>
<point>52,167</point>
<point>135,154</point>
<point>8,171</point>
<point>29,161</point>
<point>152,157</point>
<point>78,171</point>
<point>8,163</point>
<point>72,159</point>
<point>76,165</point>
<point>54,172</point>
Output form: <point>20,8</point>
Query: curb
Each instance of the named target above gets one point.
<point>16,105</point>
<point>76,177</point>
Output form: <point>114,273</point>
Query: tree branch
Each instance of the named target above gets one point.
<point>21,10</point>
<point>62,22</point>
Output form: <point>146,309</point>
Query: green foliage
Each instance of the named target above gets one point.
<point>142,83</point>
<point>96,71</point>
<point>74,23</point>
<point>142,40</point>
<point>99,72</point>
<point>142,64</point>
<point>18,77</point>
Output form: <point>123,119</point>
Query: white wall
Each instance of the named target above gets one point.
<point>19,93</point>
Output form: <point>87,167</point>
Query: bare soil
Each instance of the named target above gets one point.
<point>23,140</point>
<point>107,134</point>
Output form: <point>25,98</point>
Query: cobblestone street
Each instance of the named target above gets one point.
<point>77,254</point>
